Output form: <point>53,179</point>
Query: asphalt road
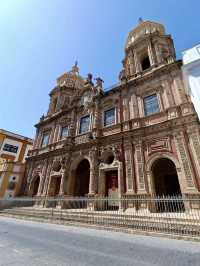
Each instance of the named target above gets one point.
<point>31,243</point>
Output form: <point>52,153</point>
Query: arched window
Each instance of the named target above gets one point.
<point>145,63</point>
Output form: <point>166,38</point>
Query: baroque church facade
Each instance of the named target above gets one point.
<point>139,138</point>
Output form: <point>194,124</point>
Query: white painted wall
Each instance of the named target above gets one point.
<point>191,55</point>
<point>11,142</point>
<point>191,74</point>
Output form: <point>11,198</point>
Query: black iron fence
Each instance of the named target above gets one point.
<point>169,215</point>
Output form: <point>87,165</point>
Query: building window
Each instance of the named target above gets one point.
<point>84,124</point>
<point>151,105</point>
<point>10,148</point>
<point>109,117</point>
<point>64,132</point>
<point>145,63</point>
<point>45,139</point>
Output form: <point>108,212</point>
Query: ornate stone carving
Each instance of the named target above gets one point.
<point>184,161</point>
<point>159,144</point>
<point>129,167</point>
<point>139,166</point>
<point>56,166</point>
<point>117,153</point>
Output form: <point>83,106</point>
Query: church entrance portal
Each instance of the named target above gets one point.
<point>82,179</point>
<point>166,184</point>
<point>112,188</point>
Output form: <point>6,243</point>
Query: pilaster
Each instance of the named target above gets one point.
<point>139,164</point>
<point>129,168</point>
<point>93,171</point>
<point>186,167</point>
<point>47,179</point>
<point>194,141</point>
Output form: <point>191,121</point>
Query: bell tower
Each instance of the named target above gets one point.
<point>147,47</point>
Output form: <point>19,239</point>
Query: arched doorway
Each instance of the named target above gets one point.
<point>166,184</point>
<point>166,181</point>
<point>35,186</point>
<point>82,179</point>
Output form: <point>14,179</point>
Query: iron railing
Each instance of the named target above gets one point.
<point>169,215</point>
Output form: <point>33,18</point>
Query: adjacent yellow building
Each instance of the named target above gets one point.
<point>13,152</point>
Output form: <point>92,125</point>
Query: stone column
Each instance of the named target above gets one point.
<point>56,133</point>
<point>39,140</point>
<point>150,53</point>
<point>137,63</point>
<point>129,168</point>
<point>158,55</point>
<point>166,95</point>
<point>139,163</point>
<point>51,138</point>
<point>160,101</point>
<point>186,167</point>
<point>126,114</point>
<point>120,179</point>
<point>61,192</point>
<point>92,181</point>
<point>42,178</point>
<point>96,119</point>
<point>140,106</point>
<point>93,171</point>
<point>131,64</point>
<point>47,179</point>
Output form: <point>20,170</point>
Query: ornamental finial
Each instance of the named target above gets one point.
<point>140,20</point>
<point>75,68</point>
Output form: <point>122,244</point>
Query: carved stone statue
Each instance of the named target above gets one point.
<point>117,153</point>
<point>98,89</point>
<point>88,80</point>
<point>99,82</point>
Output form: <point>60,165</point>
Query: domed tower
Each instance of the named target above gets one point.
<point>68,85</point>
<point>147,46</point>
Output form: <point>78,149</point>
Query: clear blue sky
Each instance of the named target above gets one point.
<point>41,39</point>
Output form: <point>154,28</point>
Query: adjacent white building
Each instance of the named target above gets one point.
<point>191,73</point>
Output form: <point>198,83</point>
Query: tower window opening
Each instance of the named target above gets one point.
<point>145,63</point>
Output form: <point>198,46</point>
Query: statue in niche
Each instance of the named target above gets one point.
<point>117,153</point>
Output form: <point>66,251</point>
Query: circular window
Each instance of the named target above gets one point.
<point>109,159</point>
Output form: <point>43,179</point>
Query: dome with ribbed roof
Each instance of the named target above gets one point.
<point>71,79</point>
<point>144,28</point>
